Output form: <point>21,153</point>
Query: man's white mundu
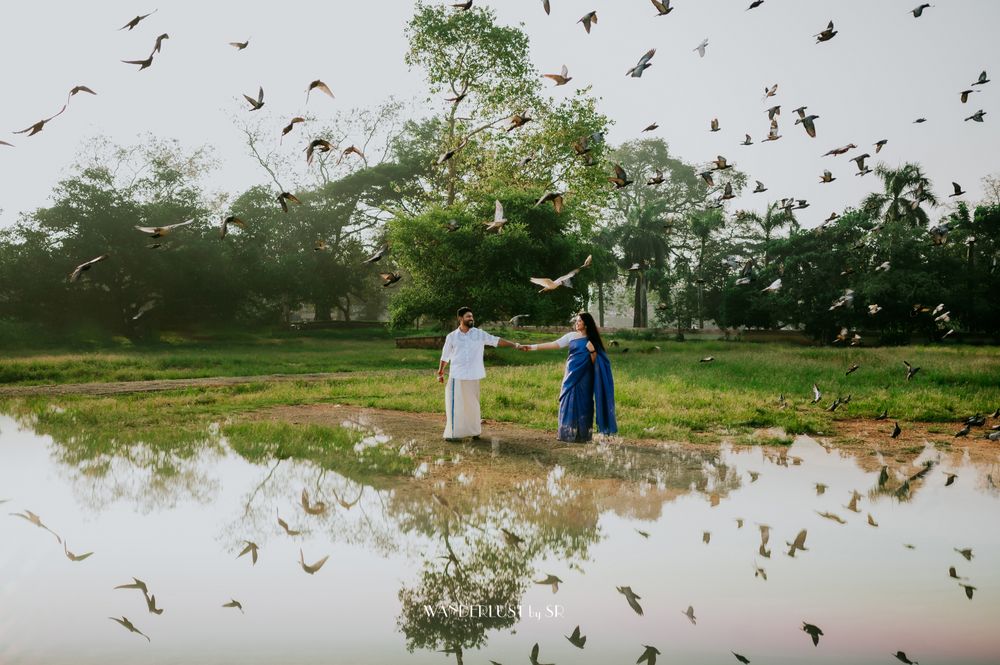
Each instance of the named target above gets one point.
<point>464,354</point>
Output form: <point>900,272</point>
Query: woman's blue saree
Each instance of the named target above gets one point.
<point>588,390</point>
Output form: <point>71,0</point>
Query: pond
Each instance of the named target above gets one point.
<point>897,555</point>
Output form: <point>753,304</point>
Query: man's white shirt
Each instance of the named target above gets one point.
<point>464,353</point>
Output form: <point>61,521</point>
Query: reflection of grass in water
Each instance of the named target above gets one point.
<point>327,447</point>
<point>177,424</point>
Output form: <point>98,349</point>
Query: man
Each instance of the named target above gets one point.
<point>463,349</point>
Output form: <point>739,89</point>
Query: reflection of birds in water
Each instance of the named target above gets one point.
<point>135,584</point>
<point>534,656</point>
<point>550,580</point>
<point>284,525</point>
<point>853,504</point>
<point>813,631</point>
<point>125,623</point>
<point>576,639</point>
<point>649,655</point>
<point>831,516</point>
<point>311,568</point>
<point>706,537</point>
<point>317,508</point>
<point>347,505</point>
<point>951,478</point>
<point>236,604</point>
<point>754,475</point>
<point>820,488</point>
<point>75,557</point>
<point>37,521</point>
<point>632,598</point>
<point>871,520</point>
<point>689,613</point>
<point>511,538</point>
<point>759,572</point>
<point>250,548</point>
<point>151,604</point>
<point>798,544</point>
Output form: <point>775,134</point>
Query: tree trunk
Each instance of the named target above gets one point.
<point>600,303</point>
<point>637,302</point>
<point>321,310</point>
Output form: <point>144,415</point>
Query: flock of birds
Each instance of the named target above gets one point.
<point>899,486</point>
<point>309,507</point>
<point>583,148</point>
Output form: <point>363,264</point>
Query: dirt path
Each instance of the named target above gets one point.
<point>122,387</point>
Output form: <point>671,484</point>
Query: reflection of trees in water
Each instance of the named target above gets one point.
<point>557,516</point>
<point>151,470</point>
<point>483,573</point>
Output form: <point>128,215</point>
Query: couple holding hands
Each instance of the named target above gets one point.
<point>588,389</point>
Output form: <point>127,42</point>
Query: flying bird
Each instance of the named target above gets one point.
<point>958,190</point>
<point>318,85</point>
<point>85,266</point>
<point>239,46</point>
<point>498,218</point>
<point>38,126</point>
<point>813,631</point>
<point>562,78</point>
<point>917,12</point>
<point>620,179</point>
<point>964,95</point>
<point>982,80</point>
<point>977,116</point>
<point>125,623</point>
<point>143,64</point>
<point>235,604</point>
<point>826,35</point>
<point>78,89</point>
<point>134,22</point>
<point>566,280</point>
<point>689,613</point>
<point>291,125</point>
<point>643,64</point>
<point>284,198</point>
<point>555,197</point>
<point>808,122</point>
<point>588,19</point>
<point>161,231</point>
<point>256,104</point>
<point>159,43</point>
<point>662,8</point>
<point>231,219</point>
<point>773,287</point>
<point>700,48</point>
<point>648,655</point>
<point>389,278</point>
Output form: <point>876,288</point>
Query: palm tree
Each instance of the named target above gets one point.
<point>905,189</point>
<point>761,229</point>
<point>642,241</point>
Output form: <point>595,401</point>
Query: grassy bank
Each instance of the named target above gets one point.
<point>664,393</point>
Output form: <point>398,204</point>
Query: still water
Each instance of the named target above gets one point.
<point>681,527</point>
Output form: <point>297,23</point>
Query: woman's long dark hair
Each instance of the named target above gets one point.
<point>593,334</point>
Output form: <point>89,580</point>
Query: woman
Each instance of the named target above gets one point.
<point>587,379</point>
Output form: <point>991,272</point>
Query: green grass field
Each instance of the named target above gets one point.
<point>665,394</point>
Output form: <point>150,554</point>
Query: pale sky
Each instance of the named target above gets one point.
<point>882,71</point>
